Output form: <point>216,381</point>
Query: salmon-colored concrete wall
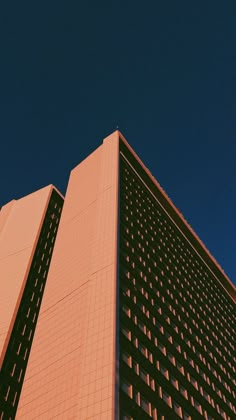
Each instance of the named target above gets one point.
<point>20,223</point>
<point>71,370</point>
<point>4,213</point>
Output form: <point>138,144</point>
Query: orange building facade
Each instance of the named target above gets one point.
<point>137,319</point>
<point>27,232</point>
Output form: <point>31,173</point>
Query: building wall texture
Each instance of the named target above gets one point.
<point>20,223</point>
<point>71,371</point>
<point>28,231</point>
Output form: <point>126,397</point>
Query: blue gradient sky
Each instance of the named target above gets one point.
<point>163,71</point>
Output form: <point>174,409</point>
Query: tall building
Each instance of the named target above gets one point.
<point>27,233</point>
<point>137,319</point>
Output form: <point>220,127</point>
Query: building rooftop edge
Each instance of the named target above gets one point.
<point>51,186</point>
<point>230,283</point>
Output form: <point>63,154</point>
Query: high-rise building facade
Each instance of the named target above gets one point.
<point>28,229</point>
<point>176,310</point>
<point>137,319</point>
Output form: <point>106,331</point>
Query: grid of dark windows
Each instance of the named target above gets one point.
<point>18,350</point>
<point>177,336</point>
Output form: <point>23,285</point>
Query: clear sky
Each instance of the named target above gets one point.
<point>163,71</point>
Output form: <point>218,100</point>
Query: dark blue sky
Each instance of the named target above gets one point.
<point>163,71</point>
